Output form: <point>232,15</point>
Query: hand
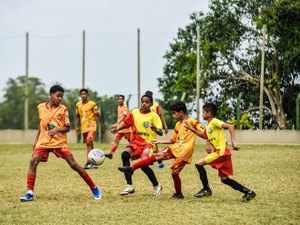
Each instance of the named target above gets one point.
<point>153,127</point>
<point>77,130</point>
<point>236,148</point>
<point>52,132</point>
<point>188,125</point>
<point>114,130</point>
<point>102,130</point>
<point>166,130</point>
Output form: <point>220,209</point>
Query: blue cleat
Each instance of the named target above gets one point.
<point>97,193</point>
<point>27,197</point>
<point>160,166</point>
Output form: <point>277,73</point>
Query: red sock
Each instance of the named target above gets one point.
<point>113,149</point>
<point>143,163</point>
<point>30,181</point>
<point>177,183</point>
<point>88,180</point>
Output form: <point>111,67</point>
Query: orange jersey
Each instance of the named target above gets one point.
<point>184,139</point>
<point>50,118</point>
<point>140,122</point>
<point>87,113</point>
<point>122,112</point>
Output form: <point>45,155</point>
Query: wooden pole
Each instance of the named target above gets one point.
<point>198,74</point>
<point>26,100</point>
<point>262,72</point>
<point>83,59</point>
<point>138,68</point>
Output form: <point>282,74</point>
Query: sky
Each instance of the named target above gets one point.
<point>55,29</point>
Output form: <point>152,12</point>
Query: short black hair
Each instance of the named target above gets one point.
<point>56,88</point>
<point>122,96</point>
<point>150,93</point>
<point>178,107</point>
<point>210,107</point>
<point>148,96</point>
<point>84,90</point>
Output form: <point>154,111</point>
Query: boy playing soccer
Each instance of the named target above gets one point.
<point>220,159</point>
<point>181,148</point>
<point>86,111</point>
<point>122,112</point>
<point>52,137</point>
<point>145,126</point>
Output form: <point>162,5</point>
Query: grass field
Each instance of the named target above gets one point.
<point>62,197</point>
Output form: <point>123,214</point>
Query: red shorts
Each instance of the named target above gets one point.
<point>224,165</point>
<point>89,136</point>
<point>178,164</point>
<point>59,152</point>
<point>141,151</point>
<point>125,135</point>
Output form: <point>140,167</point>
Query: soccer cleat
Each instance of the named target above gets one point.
<point>157,189</point>
<point>110,156</point>
<point>160,166</point>
<point>177,196</point>
<point>247,197</point>
<point>27,197</point>
<point>88,166</point>
<point>97,193</point>
<point>203,193</point>
<point>125,169</point>
<point>129,189</point>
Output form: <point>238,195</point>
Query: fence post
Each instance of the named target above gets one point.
<point>298,112</point>
<point>238,111</point>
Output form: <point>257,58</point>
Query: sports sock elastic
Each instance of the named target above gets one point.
<point>177,183</point>
<point>235,185</point>
<point>126,162</point>
<point>30,181</point>
<point>143,163</point>
<point>203,176</point>
<point>88,180</point>
<point>150,174</point>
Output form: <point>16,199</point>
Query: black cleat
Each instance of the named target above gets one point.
<point>203,193</point>
<point>125,169</point>
<point>110,156</point>
<point>247,197</point>
<point>177,196</point>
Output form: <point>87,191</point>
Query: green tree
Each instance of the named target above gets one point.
<point>12,108</point>
<point>231,37</point>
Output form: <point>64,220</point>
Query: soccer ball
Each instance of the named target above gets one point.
<point>96,157</point>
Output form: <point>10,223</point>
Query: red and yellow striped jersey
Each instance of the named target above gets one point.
<point>87,113</point>
<point>51,118</point>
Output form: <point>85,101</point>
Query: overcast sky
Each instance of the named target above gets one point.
<point>55,41</point>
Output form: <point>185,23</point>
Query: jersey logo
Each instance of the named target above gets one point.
<point>146,124</point>
<point>209,130</point>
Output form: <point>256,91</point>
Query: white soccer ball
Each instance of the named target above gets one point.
<point>96,157</point>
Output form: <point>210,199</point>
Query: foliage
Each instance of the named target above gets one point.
<point>12,108</point>
<point>231,39</point>
<point>245,122</point>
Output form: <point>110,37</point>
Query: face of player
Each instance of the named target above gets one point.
<point>56,98</point>
<point>120,101</point>
<point>177,115</point>
<point>84,96</point>
<point>206,115</point>
<point>146,104</point>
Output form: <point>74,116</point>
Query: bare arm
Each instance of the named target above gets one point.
<point>156,130</point>
<point>164,123</point>
<point>101,124</point>
<point>232,135</point>
<point>162,141</point>
<point>77,124</point>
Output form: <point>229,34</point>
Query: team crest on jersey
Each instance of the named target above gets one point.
<point>209,130</point>
<point>59,116</point>
<point>146,124</point>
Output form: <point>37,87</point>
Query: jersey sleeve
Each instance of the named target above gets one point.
<point>218,123</point>
<point>158,110</point>
<point>129,120</point>
<point>96,110</point>
<point>67,119</point>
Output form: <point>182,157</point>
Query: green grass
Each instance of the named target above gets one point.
<point>62,197</point>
